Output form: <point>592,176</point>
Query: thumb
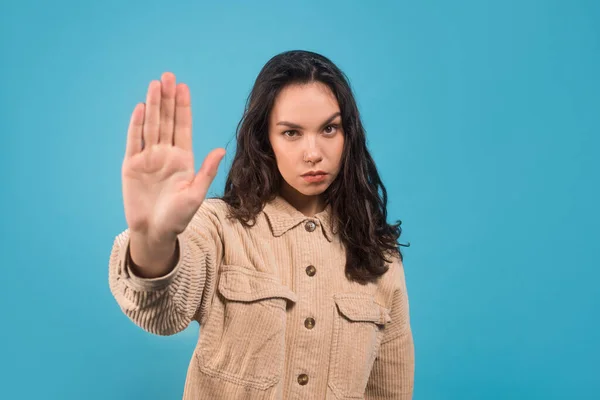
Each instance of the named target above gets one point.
<point>207,173</point>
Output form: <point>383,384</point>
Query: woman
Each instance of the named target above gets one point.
<point>294,275</point>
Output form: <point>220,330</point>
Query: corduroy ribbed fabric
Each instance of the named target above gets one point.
<point>278,318</point>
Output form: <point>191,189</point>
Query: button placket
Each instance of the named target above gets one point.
<point>309,322</point>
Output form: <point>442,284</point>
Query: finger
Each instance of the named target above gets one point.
<point>207,172</point>
<point>134,133</point>
<point>183,118</point>
<point>167,108</point>
<point>152,115</point>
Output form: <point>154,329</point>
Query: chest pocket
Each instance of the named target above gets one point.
<point>243,340</point>
<point>358,328</point>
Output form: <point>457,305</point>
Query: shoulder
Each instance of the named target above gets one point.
<point>214,205</point>
<point>398,275</point>
<point>211,214</point>
<point>393,282</point>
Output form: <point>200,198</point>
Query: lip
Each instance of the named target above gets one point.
<point>312,173</point>
<point>314,178</point>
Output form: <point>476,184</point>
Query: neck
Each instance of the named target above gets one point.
<point>307,205</point>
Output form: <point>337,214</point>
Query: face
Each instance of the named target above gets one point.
<point>305,131</point>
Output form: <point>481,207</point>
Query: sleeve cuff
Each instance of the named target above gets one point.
<point>150,284</point>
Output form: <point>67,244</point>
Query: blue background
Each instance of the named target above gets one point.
<point>482,117</point>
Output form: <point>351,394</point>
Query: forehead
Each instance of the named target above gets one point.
<point>311,101</point>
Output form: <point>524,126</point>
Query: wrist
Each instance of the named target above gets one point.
<point>150,257</point>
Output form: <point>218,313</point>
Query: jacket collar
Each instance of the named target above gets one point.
<point>283,216</point>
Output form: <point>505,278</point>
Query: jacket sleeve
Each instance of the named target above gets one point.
<point>392,376</point>
<point>166,305</point>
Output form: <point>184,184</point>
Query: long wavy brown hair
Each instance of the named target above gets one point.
<point>357,195</point>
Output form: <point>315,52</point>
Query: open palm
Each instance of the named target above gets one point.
<point>161,191</point>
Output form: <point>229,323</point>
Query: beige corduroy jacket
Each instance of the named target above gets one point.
<point>278,318</point>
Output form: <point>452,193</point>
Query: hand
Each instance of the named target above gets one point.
<point>161,192</point>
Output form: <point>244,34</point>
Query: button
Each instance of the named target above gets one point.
<point>303,379</point>
<point>311,270</point>
<point>310,226</point>
<point>309,323</point>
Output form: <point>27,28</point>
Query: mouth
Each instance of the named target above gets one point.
<point>313,177</point>
<point>315,173</point>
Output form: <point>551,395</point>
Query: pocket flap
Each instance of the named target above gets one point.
<point>242,284</point>
<point>361,307</point>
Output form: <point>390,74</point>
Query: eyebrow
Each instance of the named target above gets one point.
<point>296,126</point>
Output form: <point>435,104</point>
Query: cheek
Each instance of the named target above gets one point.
<point>284,162</point>
<point>279,152</point>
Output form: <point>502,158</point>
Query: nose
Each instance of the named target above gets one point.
<point>312,153</point>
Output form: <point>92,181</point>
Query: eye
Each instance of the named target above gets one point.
<point>289,133</point>
<point>331,129</point>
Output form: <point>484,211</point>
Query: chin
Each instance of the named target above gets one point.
<point>308,189</point>
<point>312,190</point>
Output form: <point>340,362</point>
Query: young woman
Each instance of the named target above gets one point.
<point>294,275</point>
